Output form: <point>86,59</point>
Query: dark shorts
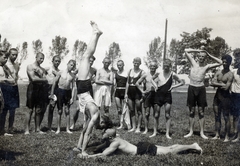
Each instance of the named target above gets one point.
<point>146,148</point>
<point>63,97</point>
<point>120,93</point>
<point>162,98</point>
<point>222,99</point>
<point>37,95</point>
<point>10,96</point>
<point>134,93</point>
<point>235,110</point>
<point>149,99</point>
<point>196,96</point>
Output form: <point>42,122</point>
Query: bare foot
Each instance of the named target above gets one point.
<point>8,135</point>
<point>216,137</point>
<point>77,149</point>
<point>153,135</point>
<point>137,131</point>
<point>198,147</point>
<point>69,132</point>
<point>72,127</point>
<point>188,135</point>
<point>27,133</point>
<point>145,132</point>
<point>133,129</point>
<point>203,136</point>
<point>120,127</point>
<point>95,28</point>
<point>168,137</point>
<point>58,131</point>
<point>226,140</point>
<point>40,132</point>
<point>235,140</point>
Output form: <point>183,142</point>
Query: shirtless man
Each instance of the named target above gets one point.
<point>37,92</point>
<point>10,91</point>
<point>196,89</point>
<point>163,94</point>
<point>133,95</point>
<point>222,100</point>
<point>65,81</point>
<point>120,80</point>
<point>235,89</point>
<point>92,75</point>
<point>86,102</point>
<point>6,80</point>
<point>149,92</point>
<point>104,81</point>
<point>117,143</point>
<point>51,74</point>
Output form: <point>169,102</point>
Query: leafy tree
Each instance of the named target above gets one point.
<point>219,47</point>
<point>37,46</point>
<point>59,47</point>
<point>24,52</point>
<point>79,48</point>
<point>155,51</point>
<point>114,53</point>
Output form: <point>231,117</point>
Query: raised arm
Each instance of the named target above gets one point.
<point>219,61</point>
<point>189,56</point>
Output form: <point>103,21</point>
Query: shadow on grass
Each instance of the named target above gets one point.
<point>8,155</point>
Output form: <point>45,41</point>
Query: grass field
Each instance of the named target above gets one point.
<point>52,149</point>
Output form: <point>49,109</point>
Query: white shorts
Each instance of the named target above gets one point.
<point>102,92</point>
<point>84,98</point>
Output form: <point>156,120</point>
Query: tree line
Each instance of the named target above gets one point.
<point>200,39</point>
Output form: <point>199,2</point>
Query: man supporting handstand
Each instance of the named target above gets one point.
<point>196,89</point>
<point>117,143</point>
<point>86,102</point>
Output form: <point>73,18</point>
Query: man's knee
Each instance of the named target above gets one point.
<point>119,111</point>
<point>60,111</point>
<point>201,112</point>
<point>167,115</point>
<point>192,112</point>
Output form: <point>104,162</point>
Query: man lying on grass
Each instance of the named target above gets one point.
<point>117,143</point>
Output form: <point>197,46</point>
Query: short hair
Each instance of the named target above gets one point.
<point>112,132</point>
<point>56,56</point>
<point>73,61</point>
<point>137,59</point>
<point>13,49</point>
<point>107,121</point>
<point>3,53</point>
<point>39,53</point>
<point>120,61</point>
<point>92,57</point>
<point>228,58</point>
<point>105,59</point>
<point>168,62</point>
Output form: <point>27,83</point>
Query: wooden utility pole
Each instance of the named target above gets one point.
<point>165,41</point>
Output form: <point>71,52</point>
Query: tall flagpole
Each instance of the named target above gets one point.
<point>165,41</point>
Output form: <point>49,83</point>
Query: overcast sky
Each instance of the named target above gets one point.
<point>131,23</point>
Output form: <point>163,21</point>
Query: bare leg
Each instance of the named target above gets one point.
<point>28,120</point>
<point>168,119</point>
<point>174,149</point>
<point>217,122</point>
<point>50,110</point>
<point>11,120</point>
<point>202,122</point>
<point>38,120</point>
<point>139,111</point>
<point>67,113</point>
<point>146,112</point>
<point>74,120</point>
<point>227,125</point>
<point>59,117</point>
<point>191,122</point>
<point>238,128</point>
<point>131,105</point>
<point>156,114</point>
<point>235,125</point>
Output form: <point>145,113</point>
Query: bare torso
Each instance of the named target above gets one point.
<point>197,75</point>
<point>125,146</point>
<point>65,80</point>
